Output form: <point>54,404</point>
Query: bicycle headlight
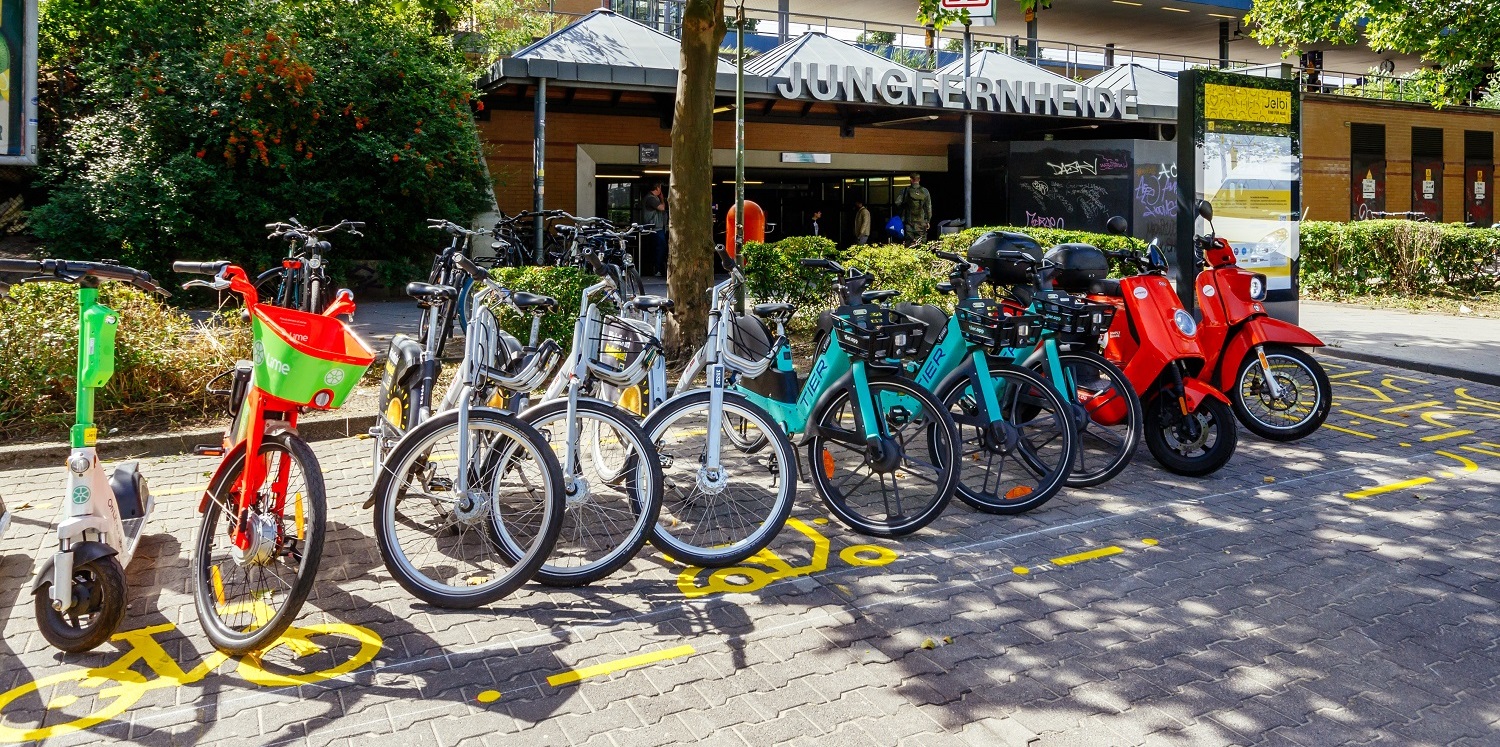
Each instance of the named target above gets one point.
<point>1185,323</point>
<point>1258,287</point>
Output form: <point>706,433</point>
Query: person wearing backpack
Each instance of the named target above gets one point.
<point>914,205</point>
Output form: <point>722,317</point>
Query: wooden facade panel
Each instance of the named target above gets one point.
<point>507,136</point>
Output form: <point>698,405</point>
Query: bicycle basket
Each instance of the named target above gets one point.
<point>872,333</point>
<point>306,359</point>
<point>620,350</point>
<point>1072,318</point>
<point>985,324</point>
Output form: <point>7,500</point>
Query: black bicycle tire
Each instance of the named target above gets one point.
<point>787,495</point>
<point>316,496</point>
<point>525,568</point>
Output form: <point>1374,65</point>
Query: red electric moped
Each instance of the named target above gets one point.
<point>1278,391</point>
<point>1189,425</point>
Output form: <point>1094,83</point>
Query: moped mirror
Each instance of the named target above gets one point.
<point>1117,225</point>
<point>1205,210</point>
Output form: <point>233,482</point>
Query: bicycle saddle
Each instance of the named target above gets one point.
<point>935,318</point>
<point>430,292</point>
<point>651,303</point>
<point>527,301</point>
<point>876,296</point>
<point>772,310</point>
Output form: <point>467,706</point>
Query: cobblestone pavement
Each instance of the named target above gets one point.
<point>1338,590</point>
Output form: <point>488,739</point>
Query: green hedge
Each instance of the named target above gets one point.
<point>162,361</point>
<point>1047,237</point>
<point>1401,257</point>
<point>565,284</point>
<point>774,272</point>
<point>914,272</point>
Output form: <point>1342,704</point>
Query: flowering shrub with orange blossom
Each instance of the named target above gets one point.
<point>187,125</point>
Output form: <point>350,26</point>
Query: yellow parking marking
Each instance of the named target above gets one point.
<point>1020,570</point>
<point>1354,414</point>
<point>575,675</point>
<point>1348,431</point>
<point>1102,552</point>
<point>1150,541</point>
<point>1478,450</point>
<point>1417,406</point>
<point>1382,489</point>
<point>1348,374</point>
<point>1469,465</point>
<point>1449,434</point>
<point>488,696</point>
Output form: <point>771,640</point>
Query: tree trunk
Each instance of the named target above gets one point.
<point>690,264</point>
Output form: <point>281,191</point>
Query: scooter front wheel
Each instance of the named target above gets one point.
<point>98,607</point>
<point>1184,448</point>
<point>1301,400</point>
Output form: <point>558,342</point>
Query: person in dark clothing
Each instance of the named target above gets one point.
<point>815,227</point>
<point>656,215</point>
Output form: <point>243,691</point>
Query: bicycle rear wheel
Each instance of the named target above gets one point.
<point>247,597</point>
<point>886,495</point>
<point>1106,412</point>
<point>715,523</point>
<point>457,550</point>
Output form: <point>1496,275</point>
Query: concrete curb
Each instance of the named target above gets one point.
<point>27,456</point>
<point>1478,377</point>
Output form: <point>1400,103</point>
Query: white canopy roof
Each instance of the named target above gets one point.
<point>604,37</point>
<point>1152,88</point>
<point>820,49</point>
<point>992,63</point>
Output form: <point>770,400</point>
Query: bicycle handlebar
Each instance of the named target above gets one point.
<point>69,271</point>
<point>199,268</point>
<point>468,266</point>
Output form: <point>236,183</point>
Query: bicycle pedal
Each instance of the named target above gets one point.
<point>208,450</point>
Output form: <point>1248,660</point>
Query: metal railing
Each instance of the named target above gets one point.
<point>909,43</point>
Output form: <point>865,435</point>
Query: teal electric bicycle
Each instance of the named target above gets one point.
<point>882,451</point>
<point>80,592</point>
<point>1017,434</point>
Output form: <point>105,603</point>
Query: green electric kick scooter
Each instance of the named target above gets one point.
<point>80,592</point>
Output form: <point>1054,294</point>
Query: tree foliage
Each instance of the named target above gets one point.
<point>186,125</point>
<point>1457,38</point>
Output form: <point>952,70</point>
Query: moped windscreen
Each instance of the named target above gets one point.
<point>1157,258</point>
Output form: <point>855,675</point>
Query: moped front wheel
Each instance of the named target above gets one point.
<point>1185,448</point>
<point>1296,408</point>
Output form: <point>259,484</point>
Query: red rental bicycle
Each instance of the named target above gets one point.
<point>256,553</point>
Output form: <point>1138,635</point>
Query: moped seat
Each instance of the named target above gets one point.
<point>876,296</point>
<point>1106,287</point>
<point>772,310</point>
<point>430,292</point>
<point>651,303</point>
<point>527,301</point>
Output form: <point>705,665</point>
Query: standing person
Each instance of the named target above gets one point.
<point>861,223</point>
<point>914,205</point>
<point>815,227</point>
<point>656,215</point>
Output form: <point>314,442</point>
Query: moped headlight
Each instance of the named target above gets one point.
<point>1258,287</point>
<point>1185,323</point>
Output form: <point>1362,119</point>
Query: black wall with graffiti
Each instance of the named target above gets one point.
<point>1077,185</point>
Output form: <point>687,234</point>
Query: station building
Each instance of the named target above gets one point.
<point>1064,134</point>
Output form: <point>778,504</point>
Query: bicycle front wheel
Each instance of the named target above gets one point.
<point>247,596</point>
<point>1106,412</point>
<point>612,503</point>
<point>1018,458</point>
<point>716,521</point>
<point>462,549</point>
<point>901,484</point>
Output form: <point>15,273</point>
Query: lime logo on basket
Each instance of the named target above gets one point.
<point>81,494</point>
<point>257,352</point>
<point>333,377</point>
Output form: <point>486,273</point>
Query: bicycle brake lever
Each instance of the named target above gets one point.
<point>215,284</point>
